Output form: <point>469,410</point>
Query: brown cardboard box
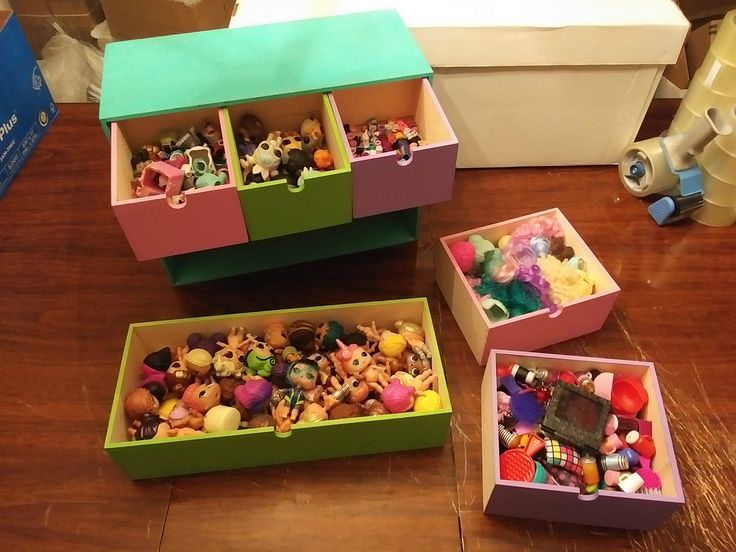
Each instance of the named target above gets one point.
<point>701,9</point>
<point>76,17</point>
<point>678,73</point>
<point>143,18</point>
<point>698,43</point>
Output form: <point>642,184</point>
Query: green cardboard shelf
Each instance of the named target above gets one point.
<point>360,235</point>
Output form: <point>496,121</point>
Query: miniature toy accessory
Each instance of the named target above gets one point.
<point>652,481</point>
<point>563,456</point>
<point>615,462</point>
<point>516,465</point>
<point>628,396</point>
<point>576,416</point>
<point>630,482</point>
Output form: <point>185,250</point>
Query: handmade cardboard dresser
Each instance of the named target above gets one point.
<point>263,446</point>
<point>284,72</point>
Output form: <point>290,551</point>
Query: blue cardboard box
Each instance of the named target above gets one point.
<point>26,106</point>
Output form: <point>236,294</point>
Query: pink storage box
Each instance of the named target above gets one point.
<point>381,184</point>
<point>558,503</point>
<point>534,330</point>
<point>157,226</point>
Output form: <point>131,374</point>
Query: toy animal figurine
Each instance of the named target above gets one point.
<point>260,359</point>
<point>290,141</point>
<point>312,135</point>
<point>265,161</point>
<point>230,360</point>
<point>297,164</point>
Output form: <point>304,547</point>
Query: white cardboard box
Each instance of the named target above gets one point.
<point>526,82</point>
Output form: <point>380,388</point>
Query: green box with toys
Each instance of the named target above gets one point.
<point>244,390</point>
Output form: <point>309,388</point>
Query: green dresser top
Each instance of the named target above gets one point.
<point>216,68</point>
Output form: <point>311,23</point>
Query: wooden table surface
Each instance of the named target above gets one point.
<point>71,286</point>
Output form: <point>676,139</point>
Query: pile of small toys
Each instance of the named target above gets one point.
<point>584,430</point>
<point>530,269</point>
<point>400,135</point>
<point>285,374</point>
<point>279,154</point>
<point>194,159</point>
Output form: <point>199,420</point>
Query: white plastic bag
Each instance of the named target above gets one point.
<point>72,69</point>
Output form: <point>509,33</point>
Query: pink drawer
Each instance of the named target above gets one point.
<point>533,330</point>
<point>382,183</point>
<point>158,226</point>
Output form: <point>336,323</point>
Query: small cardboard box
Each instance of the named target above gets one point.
<point>606,508</point>
<point>262,446</point>
<point>534,330</point>
<point>76,17</point>
<point>146,18</point>
<point>563,82</point>
<point>26,106</point>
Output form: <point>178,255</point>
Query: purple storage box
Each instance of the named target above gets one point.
<point>557,503</point>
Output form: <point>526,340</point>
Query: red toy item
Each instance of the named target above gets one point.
<point>464,254</point>
<point>516,465</point>
<point>643,444</point>
<point>628,396</point>
<point>160,178</point>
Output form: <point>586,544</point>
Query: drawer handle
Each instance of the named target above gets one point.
<point>404,153</point>
<point>177,201</point>
<point>300,181</point>
<point>557,312</point>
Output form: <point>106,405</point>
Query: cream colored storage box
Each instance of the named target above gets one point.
<point>528,83</point>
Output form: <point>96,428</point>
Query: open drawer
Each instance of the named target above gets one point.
<point>275,207</point>
<point>384,182</point>
<point>158,225</point>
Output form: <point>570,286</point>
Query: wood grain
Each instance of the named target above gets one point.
<point>71,286</point>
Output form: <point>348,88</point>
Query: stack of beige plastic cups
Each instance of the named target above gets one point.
<point>714,85</point>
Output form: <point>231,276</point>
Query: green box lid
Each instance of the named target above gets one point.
<point>217,68</point>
